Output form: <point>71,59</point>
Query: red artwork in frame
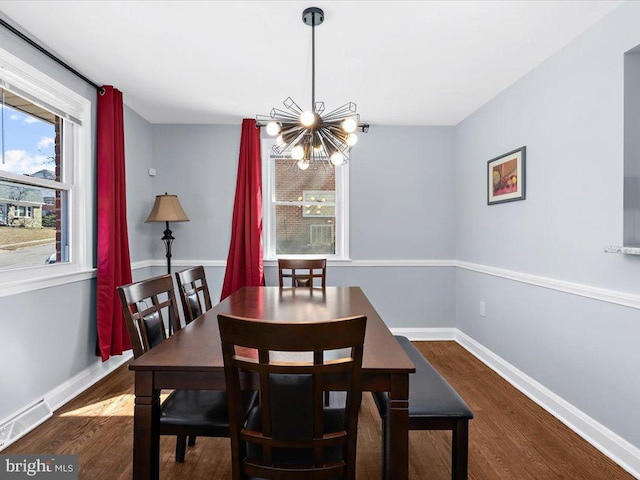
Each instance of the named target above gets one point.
<point>506,177</point>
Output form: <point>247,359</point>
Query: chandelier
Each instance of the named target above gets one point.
<point>310,136</point>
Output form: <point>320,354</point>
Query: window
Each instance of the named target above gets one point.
<point>25,211</point>
<point>45,151</point>
<point>305,212</point>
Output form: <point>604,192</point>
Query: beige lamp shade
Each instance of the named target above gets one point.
<point>167,208</point>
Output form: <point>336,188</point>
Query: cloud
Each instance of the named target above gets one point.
<point>15,116</point>
<point>30,119</point>
<point>46,142</point>
<point>19,162</point>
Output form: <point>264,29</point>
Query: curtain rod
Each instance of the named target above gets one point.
<point>50,55</point>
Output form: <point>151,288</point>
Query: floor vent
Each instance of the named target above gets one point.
<point>23,423</point>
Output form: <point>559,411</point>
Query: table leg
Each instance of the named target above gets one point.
<point>146,432</point>
<point>398,428</point>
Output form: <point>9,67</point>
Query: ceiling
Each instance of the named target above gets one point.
<point>401,62</point>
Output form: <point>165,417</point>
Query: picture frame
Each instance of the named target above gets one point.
<point>506,177</point>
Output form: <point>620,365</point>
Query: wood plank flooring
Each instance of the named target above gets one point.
<point>509,438</point>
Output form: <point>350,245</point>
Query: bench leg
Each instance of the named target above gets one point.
<point>460,450</point>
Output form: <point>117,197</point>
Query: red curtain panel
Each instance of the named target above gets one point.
<point>114,263</point>
<point>244,263</point>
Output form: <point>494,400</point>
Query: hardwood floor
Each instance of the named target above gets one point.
<point>509,438</point>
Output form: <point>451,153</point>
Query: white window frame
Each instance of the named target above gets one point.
<point>77,165</point>
<point>269,208</point>
<point>28,211</point>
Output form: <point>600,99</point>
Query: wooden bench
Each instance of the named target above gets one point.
<point>433,405</point>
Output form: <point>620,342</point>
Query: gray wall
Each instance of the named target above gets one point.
<point>401,202</point>
<point>199,164</point>
<point>402,194</point>
<point>140,191</point>
<point>44,341</point>
<point>569,114</point>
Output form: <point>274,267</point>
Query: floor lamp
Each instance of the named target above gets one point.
<point>167,209</point>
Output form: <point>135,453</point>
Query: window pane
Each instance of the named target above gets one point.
<point>28,138</point>
<point>299,234</point>
<point>291,182</point>
<point>33,232</point>
<point>33,229</point>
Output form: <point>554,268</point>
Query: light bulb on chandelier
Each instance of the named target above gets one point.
<point>337,159</point>
<point>273,128</point>
<point>302,165</point>
<point>307,119</point>
<point>297,152</point>
<point>349,125</point>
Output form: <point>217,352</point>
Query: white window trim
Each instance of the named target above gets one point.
<point>268,209</point>
<point>21,78</point>
<point>28,211</point>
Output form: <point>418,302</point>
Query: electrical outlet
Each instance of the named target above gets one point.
<point>482,309</point>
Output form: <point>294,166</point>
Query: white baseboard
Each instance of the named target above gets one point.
<point>83,380</point>
<point>28,418</point>
<point>609,443</point>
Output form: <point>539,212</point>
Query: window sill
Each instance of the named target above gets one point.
<point>273,262</point>
<point>623,250</point>
<point>13,287</point>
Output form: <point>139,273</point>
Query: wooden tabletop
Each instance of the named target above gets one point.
<point>196,347</point>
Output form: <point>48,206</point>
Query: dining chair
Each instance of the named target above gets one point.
<point>307,271</point>
<point>290,433</point>
<point>194,292</point>
<point>184,413</point>
<point>302,271</point>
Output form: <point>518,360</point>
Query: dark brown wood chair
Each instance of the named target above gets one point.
<point>290,433</point>
<point>184,413</point>
<point>194,292</point>
<point>302,271</point>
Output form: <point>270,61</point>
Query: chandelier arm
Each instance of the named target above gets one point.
<point>286,145</point>
<point>337,145</point>
<point>289,134</point>
<point>325,148</point>
<point>337,132</point>
<point>290,104</point>
<point>276,113</point>
<point>348,109</point>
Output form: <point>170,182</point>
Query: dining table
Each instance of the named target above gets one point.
<point>191,358</point>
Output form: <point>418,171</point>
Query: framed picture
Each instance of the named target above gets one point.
<point>506,177</point>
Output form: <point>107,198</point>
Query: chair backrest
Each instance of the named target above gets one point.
<point>142,305</point>
<point>194,292</point>
<point>302,271</point>
<point>290,433</point>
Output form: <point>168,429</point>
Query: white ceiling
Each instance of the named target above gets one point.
<point>401,62</point>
